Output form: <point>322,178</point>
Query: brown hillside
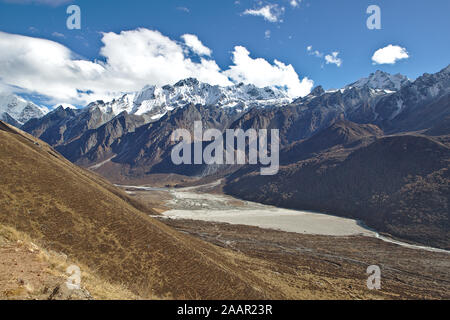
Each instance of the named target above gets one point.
<point>70,210</point>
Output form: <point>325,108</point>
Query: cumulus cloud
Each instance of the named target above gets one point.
<point>196,45</point>
<point>262,73</point>
<point>389,55</point>
<point>132,60</point>
<point>44,67</point>
<point>270,12</point>
<point>333,59</point>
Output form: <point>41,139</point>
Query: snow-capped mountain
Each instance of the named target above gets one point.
<point>94,134</point>
<point>413,96</point>
<point>155,101</point>
<point>15,108</point>
<point>64,105</point>
<point>382,80</point>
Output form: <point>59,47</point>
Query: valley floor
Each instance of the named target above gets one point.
<point>310,253</point>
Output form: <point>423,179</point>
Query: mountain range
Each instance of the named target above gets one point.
<point>375,150</point>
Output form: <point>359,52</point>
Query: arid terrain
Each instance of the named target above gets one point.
<point>327,265</point>
<point>55,214</point>
<point>338,261</point>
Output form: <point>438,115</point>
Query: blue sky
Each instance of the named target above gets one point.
<point>420,27</point>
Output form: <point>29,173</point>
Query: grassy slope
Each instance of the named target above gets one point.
<point>71,210</point>
<point>72,216</point>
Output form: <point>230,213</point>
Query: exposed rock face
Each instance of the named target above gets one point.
<point>96,144</point>
<point>148,149</point>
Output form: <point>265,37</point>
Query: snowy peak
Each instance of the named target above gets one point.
<point>239,97</point>
<point>317,91</point>
<point>116,106</point>
<point>382,81</point>
<point>154,101</point>
<point>189,82</point>
<point>19,109</point>
<point>192,91</point>
<point>64,106</point>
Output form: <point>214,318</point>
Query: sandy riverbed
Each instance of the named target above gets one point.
<point>196,203</point>
<point>187,204</point>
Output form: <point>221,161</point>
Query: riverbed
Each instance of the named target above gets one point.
<point>197,203</point>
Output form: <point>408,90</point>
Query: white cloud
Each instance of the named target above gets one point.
<point>58,35</point>
<point>294,3</point>
<point>333,58</point>
<point>261,73</point>
<point>329,58</point>
<point>315,53</point>
<point>267,34</point>
<point>270,12</point>
<point>132,60</point>
<point>44,67</point>
<point>145,56</point>
<point>196,45</point>
<point>389,55</point>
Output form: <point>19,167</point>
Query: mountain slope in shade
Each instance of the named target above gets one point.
<point>63,125</point>
<point>147,149</point>
<point>397,184</point>
<point>16,110</point>
<point>408,103</point>
<point>96,144</point>
<point>341,134</point>
<point>72,211</point>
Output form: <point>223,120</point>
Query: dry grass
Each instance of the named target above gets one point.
<point>77,217</point>
<point>73,211</point>
<point>51,267</point>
